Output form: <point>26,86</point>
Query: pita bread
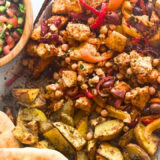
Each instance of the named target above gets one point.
<point>7,139</point>
<point>30,154</point>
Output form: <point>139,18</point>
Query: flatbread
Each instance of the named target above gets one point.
<point>30,154</point>
<point>7,139</point>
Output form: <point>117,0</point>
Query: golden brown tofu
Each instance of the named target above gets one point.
<point>116,41</point>
<point>85,68</point>
<point>77,31</point>
<point>66,6</point>
<point>59,21</point>
<point>84,103</point>
<point>31,48</point>
<point>69,78</point>
<point>46,51</point>
<point>140,97</point>
<point>140,65</point>
<point>36,33</point>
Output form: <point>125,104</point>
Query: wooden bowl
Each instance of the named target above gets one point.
<point>25,36</point>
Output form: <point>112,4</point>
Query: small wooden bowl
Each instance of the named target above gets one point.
<point>25,36</point>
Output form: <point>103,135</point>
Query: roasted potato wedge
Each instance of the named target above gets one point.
<point>45,126</point>
<point>25,95</point>
<point>71,134</point>
<point>65,118</point>
<point>109,152</point>
<point>43,144</point>
<point>78,116</point>
<point>81,156</point>
<point>82,127</point>
<point>59,142</point>
<point>31,114</point>
<point>134,151</point>
<point>115,113</point>
<point>150,144</point>
<point>24,135</point>
<point>68,108</point>
<point>126,138</point>
<point>91,149</point>
<point>108,130</point>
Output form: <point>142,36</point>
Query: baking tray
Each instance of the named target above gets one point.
<point>13,68</point>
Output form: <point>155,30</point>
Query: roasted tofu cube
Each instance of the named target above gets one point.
<point>84,104</point>
<point>116,41</point>
<point>59,21</point>
<point>140,65</point>
<point>157,5</point>
<point>85,68</point>
<point>73,6</point>
<point>77,31</point>
<point>75,53</point>
<point>94,3</point>
<point>66,6</point>
<point>31,48</point>
<point>59,7</point>
<point>36,33</point>
<point>46,51</point>
<point>69,78</point>
<point>122,60</point>
<point>139,97</point>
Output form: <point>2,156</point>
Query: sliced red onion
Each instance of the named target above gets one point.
<point>77,16</point>
<point>108,84</point>
<point>71,92</point>
<point>43,28</point>
<point>151,50</point>
<point>100,83</point>
<point>118,103</point>
<point>118,93</point>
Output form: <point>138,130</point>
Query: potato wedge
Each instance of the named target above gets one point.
<point>68,108</point>
<point>82,127</point>
<point>45,126</point>
<point>65,118</point>
<point>31,114</point>
<point>135,152</point>
<point>91,149</point>
<point>115,113</point>
<point>24,135</point>
<point>59,142</point>
<point>126,138</point>
<point>110,152</point>
<point>43,144</point>
<point>108,130</point>
<point>150,144</point>
<point>78,116</point>
<point>81,156</point>
<point>152,127</point>
<point>71,134</point>
<point>98,157</point>
<point>25,95</point>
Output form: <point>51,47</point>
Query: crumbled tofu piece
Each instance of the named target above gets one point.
<point>122,86</point>
<point>77,31</point>
<point>46,51</point>
<point>75,53</point>
<point>140,65</point>
<point>94,3</point>
<point>140,97</point>
<point>59,7</point>
<point>84,103</point>
<point>69,78</point>
<point>122,60</point>
<point>157,5</point>
<point>36,33</point>
<point>116,41</point>
<point>66,6</point>
<point>73,6</point>
<point>85,68</point>
<point>59,21</point>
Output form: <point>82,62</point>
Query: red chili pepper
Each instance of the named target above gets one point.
<point>142,4</point>
<point>89,94</point>
<point>101,17</point>
<point>148,121</point>
<point>96,12</point>
<point>16,76</point>
<point>136,40</point>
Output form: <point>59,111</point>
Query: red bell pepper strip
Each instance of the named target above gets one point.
<point>93,10</point>
<point>142,4</point>
<point>89,94</point>
<point>136,40</point>
<point>148,121</point>
<point>101,17</point>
